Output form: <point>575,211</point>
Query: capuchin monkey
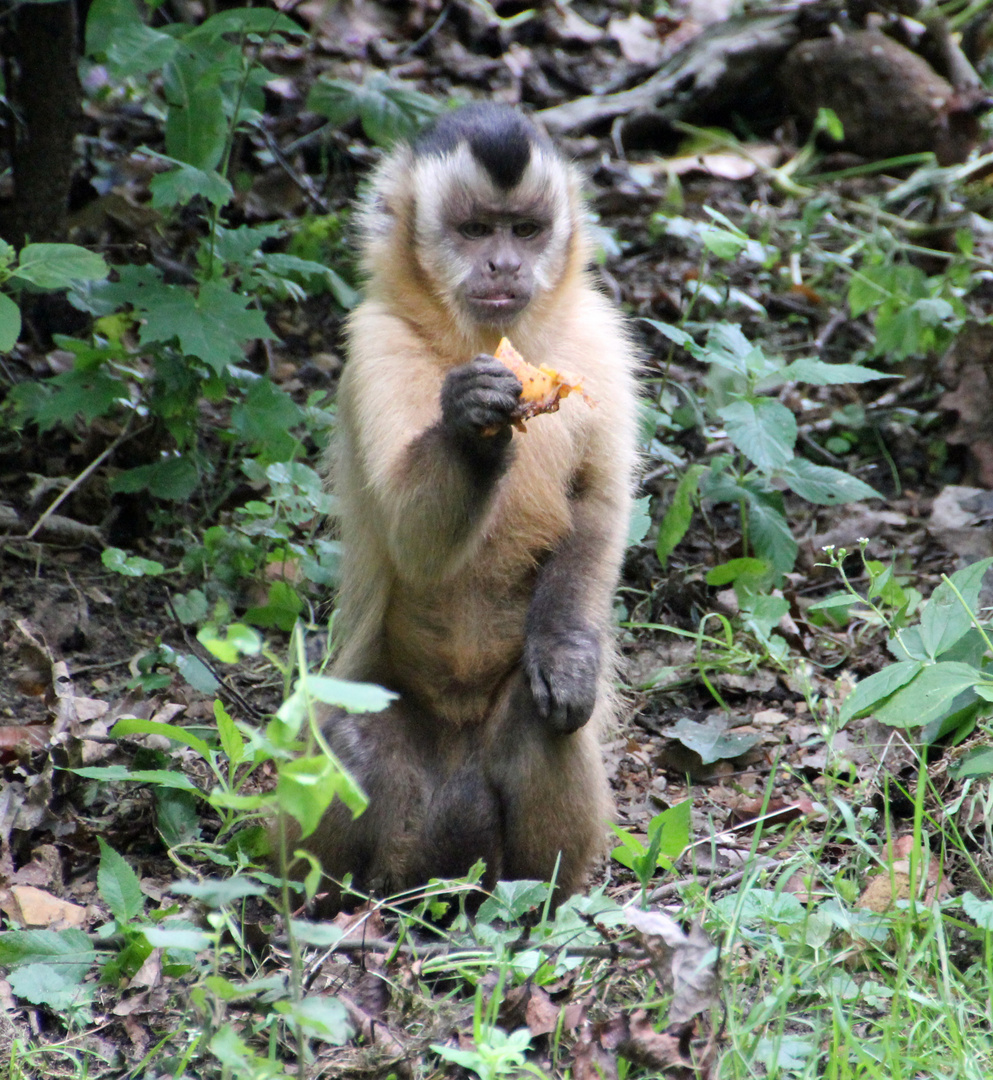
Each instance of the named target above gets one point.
<point>479,562</point>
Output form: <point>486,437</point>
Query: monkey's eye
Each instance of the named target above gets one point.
<point>475,230</point>
<point>526,230</point>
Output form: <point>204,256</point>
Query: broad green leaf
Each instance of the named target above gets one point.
<point>132,725</point>
<point>161,937</point>
<point>118,885</point>
<point>265,418</point>
<point>735,570</point>
<point>511,900</point>
<point>944,619</point>
<point>196,673</point>
<point>163,777</point>
<point>67,948</point>
<point>977,763</point>
<point>675,334</point>
<point>177,816</point>
<point>676,522</point>
<point>770,534</point>
<point>322,1018</point>
<point>10,323</point>
<point>763,429</point>
<point>213,326</point>
<point>868,693</point>
<point>245,21</point>
<point>823,485</point>
<point>196,127</point>
<point>130,565</point>
<point>711,739</point>
<point>929,695</point>
<point>820,373</point>
<point>980,911</point>
<point>172,478</point>
<point>57,266</point>
<point>116,33</point>
<point>229,645</point>
<point>218,892</point>
<point>306,788</point>
<point>282,609</point>
<point>353,697</point>
<point>723,244</point>
<point>59,988</point>
<point>184,182</point>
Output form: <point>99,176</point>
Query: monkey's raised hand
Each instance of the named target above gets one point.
<point>561,667</point>
<point>477,398</point>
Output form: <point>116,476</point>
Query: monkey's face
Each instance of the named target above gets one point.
<point>490,251</point>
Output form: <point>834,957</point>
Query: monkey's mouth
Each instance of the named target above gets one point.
<point>498,306</point>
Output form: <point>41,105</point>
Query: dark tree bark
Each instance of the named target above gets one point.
<point>40,49</point>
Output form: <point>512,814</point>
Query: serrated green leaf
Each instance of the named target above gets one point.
<point>118,885</point>
<point>172,478</point>
<point>185,182</point>
<point>69,948</point>
<point>764,430</point>
<point>213,326</point>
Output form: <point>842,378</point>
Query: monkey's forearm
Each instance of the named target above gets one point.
<point>568,615</point>
<point>443,493</point>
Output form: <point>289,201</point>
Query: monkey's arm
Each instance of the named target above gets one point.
<point>430,460</point>
<point>570,611</point>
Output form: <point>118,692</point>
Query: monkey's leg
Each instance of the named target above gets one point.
<point>555,796</point>
<point>381,847</point>
<point>431,812</point>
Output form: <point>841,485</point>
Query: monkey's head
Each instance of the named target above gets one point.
<point>481,213</point>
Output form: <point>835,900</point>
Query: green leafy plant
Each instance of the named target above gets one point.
<point>668,837</point>
<point>40,268</point>
<point>763,432</point>
<point>386,109</point>
<point>941,679</point>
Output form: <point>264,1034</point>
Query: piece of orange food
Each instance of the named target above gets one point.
<point>543,387</point>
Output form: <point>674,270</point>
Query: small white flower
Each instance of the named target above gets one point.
<point>828,547</point>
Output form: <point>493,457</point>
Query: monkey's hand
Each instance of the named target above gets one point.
<point>477,403</point>
<point>562,668</point>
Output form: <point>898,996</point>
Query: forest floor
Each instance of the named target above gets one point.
<point>742,724</point>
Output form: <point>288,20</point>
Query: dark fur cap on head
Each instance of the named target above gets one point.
<point>500,138</point>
